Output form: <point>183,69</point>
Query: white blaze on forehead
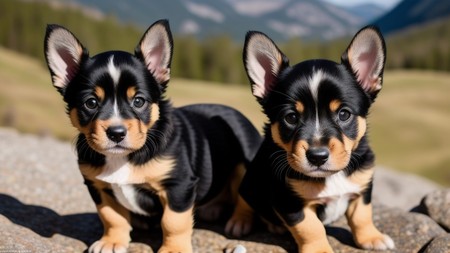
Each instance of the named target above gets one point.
<point>314,83</point>
<point>116,118</point>
<point>114,72</point>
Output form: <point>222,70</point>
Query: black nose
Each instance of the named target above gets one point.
<point>116,133</point>
<point>317,156</point>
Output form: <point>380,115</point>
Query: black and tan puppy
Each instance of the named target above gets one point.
<point>315,163</point>
<point>137,154</point>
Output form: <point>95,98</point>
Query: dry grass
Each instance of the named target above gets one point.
<point>409,123</point>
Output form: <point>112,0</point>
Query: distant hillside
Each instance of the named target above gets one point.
<point>413,12</point>
<point>282,19</point>
<point>218,59</point>
<point>367,12</point>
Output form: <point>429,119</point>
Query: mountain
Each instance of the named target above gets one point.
<point>413,12</point>
<point>367,12</point>
<point>281,19</point>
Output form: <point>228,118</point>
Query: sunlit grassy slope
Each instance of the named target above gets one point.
<point>409,123</point>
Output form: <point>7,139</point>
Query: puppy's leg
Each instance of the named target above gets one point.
<point>310,233</point>
<point>366,235</point>
<point>241,221</point>
<point>177,230</point>
<point>228,196</point>
<point>116,225</point>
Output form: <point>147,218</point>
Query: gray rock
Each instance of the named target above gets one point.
<point>410,231</point>
<point>439,244</point>
<point>437,206</point>
<point>44,207</point>
<point>399,189</point>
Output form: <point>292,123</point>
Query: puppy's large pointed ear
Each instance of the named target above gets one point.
<point>155,49</point>
<point>263,62</point>
<point>64,55</point>
<point>366,56</point>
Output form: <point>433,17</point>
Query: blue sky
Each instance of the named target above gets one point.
<point>385,3</point>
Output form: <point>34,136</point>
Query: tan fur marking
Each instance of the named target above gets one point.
<point>131,92</point>
<point>298,154</point>
<point>310,233</point>
<point>308,190</point>
<point>177,229</point>
<point>152,173</point>
<point>340,152</point>
<point>100,93</point>
<point>154,116</point>
<point>359,217</point>
<point>96,136</point>
<point>277,138</point>
<point>90,173</point>
<point>300,148</point>
<point>73,115</point>
<point>299,107</point>
<point>115,218</point>
<point>116,221</point>
<point>137,130</point>
<point>334,105</point>
<point>136,133</point>
<point>361,177</point>
<point>362,127</point>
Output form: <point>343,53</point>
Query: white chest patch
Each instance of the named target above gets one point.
<point>126,195</point>
<point>338,185</point>
<point>116,171</point>
<point>336,194</point>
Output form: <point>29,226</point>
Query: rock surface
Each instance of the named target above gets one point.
<point>439,244</point>
<point>436,205</point>
<point>44,207</point>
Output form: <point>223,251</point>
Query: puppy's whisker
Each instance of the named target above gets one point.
<point>280,164</point>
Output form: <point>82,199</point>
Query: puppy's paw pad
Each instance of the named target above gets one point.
<point>238,226</point>
<point>382,242</point>
<point>102,246</point>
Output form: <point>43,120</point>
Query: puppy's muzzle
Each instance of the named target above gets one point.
<point>317,155</point>
<point>116,133</point>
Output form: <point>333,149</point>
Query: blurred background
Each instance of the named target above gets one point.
<point>409,123</point>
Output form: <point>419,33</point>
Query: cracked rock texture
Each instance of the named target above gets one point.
<point>45,207</point>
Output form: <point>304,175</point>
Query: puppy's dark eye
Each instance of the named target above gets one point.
<point>138,102</point>
<point>344,114</point>
<point>91,103</point>
<point>291,118</point>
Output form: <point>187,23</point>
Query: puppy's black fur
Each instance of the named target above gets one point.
<point>315,163</point>
<point>139,155</point>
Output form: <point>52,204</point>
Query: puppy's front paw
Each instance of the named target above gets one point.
<point>103,246</point>
<point>377,242</point>
<point>239,225</point>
